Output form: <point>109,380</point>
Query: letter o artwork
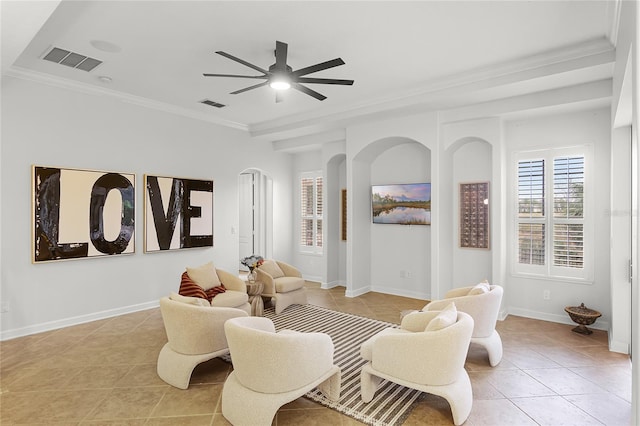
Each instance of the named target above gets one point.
<point>99,192</point>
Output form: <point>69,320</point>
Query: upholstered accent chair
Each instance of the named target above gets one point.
<point>282,282</point>
<point>427,353</point>
<point>195,333</point>
<point>271,369</point>
<point>482,302</point>
<point>221,288</point>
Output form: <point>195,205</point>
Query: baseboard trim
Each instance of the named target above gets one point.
<point>68,322</point>
<point>332,284</point>
<point>562,319</point>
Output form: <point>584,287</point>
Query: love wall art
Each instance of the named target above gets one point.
<point>86,213</point>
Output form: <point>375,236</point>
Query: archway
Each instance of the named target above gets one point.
<point>394,259</point>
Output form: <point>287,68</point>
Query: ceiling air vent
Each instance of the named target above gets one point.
<point>71,59</point>
<point>212,103</point>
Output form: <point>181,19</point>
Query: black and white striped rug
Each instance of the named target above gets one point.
<point>391,404</point>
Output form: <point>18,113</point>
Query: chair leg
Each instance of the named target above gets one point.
<point>331,387</point>
<point>368,383</point>
<point>459,395</point>
<point>242,407</point>
<point>493,345</point>
<point>283,300</point>
<point>175,369</point>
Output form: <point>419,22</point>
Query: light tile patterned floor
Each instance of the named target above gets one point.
<point>103,373</point>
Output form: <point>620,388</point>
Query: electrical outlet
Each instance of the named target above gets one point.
<point>546,295</point>
<point>4,307</point>
<point>409,274</point>
<point>403,274</point>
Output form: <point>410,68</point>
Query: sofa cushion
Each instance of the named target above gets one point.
<point>480,288</point>
<point>205,276</point>
<point>445,318</point>
<point>197,301</point>
<point>287,284</point>
<point>190,289</point>
<point>230,299</point>
<point>272,268</point>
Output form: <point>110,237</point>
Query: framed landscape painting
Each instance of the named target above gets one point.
<point>403,204</point>
<point>178,213</point>
<point>82,213</point>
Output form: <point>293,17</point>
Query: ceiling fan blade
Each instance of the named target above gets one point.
<point>243,62</point>
<point>281,55</point>
<point>255,86</point>
<point>318,67</point>
<point>324,81</point>
<point>303,89</point>
<point>236,76</point>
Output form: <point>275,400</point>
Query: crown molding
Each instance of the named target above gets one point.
<point>38,77</point>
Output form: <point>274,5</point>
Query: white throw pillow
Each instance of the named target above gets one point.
<point>272,268</point>
<point>480,288</point>
<point>205,276</point>
<point>198,301</point>
<point>445,318</point>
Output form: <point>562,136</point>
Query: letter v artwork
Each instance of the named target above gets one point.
<point>178,213</point>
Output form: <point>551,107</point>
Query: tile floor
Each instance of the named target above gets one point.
<point>103,373</point>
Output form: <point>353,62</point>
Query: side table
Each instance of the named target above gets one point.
<point>254,290</point>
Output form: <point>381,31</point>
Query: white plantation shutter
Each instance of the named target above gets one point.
<point>531,212</point>
<point>551,235</point>
<point>311,207</point>
<point>568,212</point>
<point>306,208</point>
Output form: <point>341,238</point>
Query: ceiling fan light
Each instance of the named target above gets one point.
<point>280,83</point>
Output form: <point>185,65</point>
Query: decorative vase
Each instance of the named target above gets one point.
<point>251,277</point>
<point>582,316</point>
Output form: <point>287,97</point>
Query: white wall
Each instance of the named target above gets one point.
<point>49,126</point>
<point>525,295</point>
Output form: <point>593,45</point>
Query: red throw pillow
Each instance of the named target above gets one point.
<point>214,291</point>
<point>190,289</point>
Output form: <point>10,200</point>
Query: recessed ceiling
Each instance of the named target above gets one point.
<point>157,51</point>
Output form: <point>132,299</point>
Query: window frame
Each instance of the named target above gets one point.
<point>548,270</point>
<point>315,217</point>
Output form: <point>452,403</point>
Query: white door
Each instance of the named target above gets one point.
<point>247,221</point>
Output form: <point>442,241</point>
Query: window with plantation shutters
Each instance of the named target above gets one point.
<point>551,231</point>
<point>311,212</point>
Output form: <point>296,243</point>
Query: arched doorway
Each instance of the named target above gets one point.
<point>255,214</point>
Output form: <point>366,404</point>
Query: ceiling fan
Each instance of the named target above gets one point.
<point>280,76</point>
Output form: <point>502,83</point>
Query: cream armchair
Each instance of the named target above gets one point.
<point>282,282</point>
<point>271,369</point>
<point>195,333</point>
<point>429,361</point>
<point>219,287</point>
<point>483,307</point>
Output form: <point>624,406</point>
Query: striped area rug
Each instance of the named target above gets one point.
<point>392,403</point>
